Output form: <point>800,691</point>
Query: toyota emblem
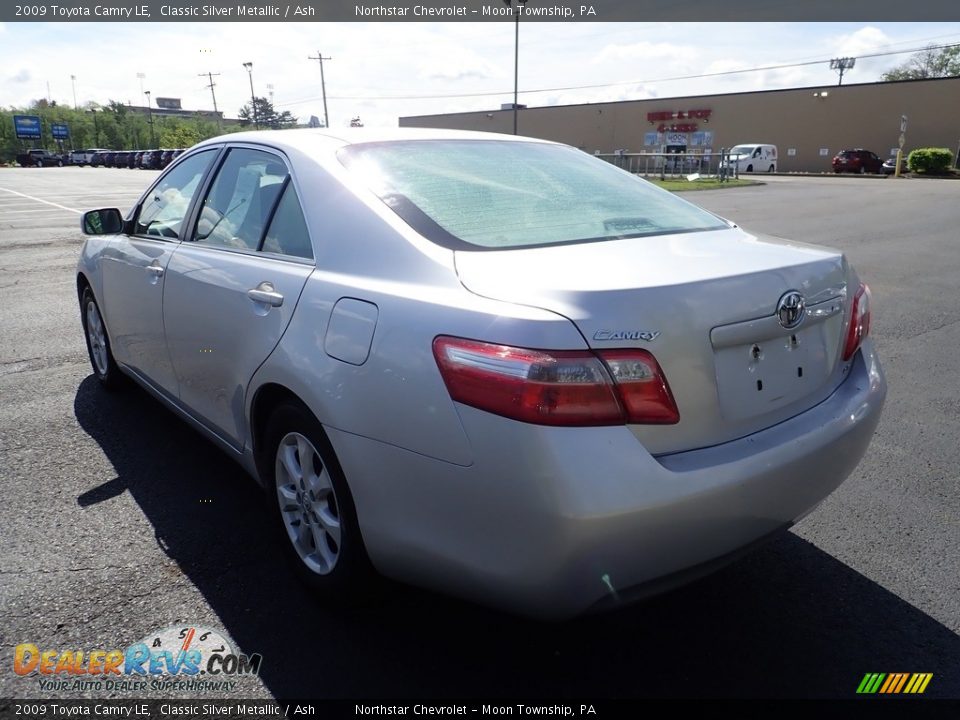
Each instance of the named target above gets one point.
<point>791,309</point>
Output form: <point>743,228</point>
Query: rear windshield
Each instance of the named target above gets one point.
<point>490,194</point>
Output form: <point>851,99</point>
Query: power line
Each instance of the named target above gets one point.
<point>617,84</point>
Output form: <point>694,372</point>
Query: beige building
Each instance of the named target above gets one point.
<point>808,125</point>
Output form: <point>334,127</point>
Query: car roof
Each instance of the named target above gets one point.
<point>310,139</point>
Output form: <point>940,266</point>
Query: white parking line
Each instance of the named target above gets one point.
<point>45,202</point>
<point>4,213</point>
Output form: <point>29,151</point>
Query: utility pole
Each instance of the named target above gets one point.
<point>209,76</point>
<point>73,81</point>
<point>323,86</point>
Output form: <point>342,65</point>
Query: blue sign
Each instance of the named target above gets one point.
<point>27,127</point>
<point>59,132</point>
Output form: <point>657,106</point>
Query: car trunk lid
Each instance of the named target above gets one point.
<point>705,304</point>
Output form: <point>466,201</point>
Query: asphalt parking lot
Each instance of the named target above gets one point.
<point>118,519</point>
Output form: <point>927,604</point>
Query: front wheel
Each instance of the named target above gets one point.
<point>98,343</point>
<point>313,507</point>
<point>771,169</point>
<point>749,168</point>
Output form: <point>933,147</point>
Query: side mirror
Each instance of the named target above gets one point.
<point>107,221</point>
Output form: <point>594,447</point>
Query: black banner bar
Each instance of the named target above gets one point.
<point>478,11</point>
<point>234,708</point>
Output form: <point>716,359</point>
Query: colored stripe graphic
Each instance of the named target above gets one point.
<point>894,683</point>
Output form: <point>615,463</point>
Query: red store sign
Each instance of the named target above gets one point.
<point>666,118</point>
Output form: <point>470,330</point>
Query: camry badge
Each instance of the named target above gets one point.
<point>791,309</point>
<point>647,335</point>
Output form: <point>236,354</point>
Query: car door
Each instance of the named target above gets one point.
<point>133,272</point>
<point>232,286</point>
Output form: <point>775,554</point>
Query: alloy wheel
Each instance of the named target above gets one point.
<point>97,337</point>
<point>308,503</point>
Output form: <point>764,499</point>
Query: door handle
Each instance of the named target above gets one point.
<point>155,270</point>
<point>265,293</point>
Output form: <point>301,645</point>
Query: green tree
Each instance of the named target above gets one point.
<point>266,115</point>
<point>933,62</point>
<point>178,135</point>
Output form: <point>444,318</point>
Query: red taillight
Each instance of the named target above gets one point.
<point>859,321</point>
<point>556,387</point>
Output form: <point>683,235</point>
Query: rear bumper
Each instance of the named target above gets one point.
<point>550,522</point>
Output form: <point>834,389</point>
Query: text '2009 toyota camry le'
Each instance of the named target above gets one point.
<point>492,366</point>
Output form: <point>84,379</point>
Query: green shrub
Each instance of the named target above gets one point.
<point>930,160</point>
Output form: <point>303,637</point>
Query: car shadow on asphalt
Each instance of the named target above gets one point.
<point>788,620</point>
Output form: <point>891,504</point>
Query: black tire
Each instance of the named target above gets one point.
<point>771,169</point>
<point>749,168</point>
<point>351,579</point>
<point>109,375</point>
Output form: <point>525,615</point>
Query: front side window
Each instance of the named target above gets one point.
<point>472,194</point>
<point>166,205</point>
<point>241,199</point>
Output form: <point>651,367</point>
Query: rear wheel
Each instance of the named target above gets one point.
<point>313,507</point>
<point>98,343</point>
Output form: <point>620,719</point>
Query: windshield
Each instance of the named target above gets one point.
<point>742,150</point>
<point>473,194</point>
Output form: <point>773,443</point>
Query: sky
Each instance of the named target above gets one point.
<point>382,71</point>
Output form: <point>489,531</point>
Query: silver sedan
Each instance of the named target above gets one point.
<point>489,365</point>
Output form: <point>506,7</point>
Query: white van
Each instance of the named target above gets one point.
<point>754,157</point>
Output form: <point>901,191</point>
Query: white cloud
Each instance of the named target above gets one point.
<point>646,51</point>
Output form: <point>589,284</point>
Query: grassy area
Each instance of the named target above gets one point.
<point>682,184</point>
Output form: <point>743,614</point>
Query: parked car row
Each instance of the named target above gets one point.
<point>143,159</point>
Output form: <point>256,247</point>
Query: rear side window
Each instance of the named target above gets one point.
<point>287,234</point>
<point>474,194</point>
<point>241,199</point>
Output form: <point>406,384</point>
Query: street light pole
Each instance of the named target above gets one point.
<point>96,128</point>
<point>516,55</point>
<point>73,82</point>
<point>253,98</point>
<point>153,139</point>
<point>842,65</point>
